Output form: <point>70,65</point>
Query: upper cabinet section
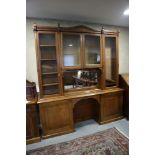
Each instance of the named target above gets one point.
<point>92,50</point>
<point>79,57</point>
<point>71,50</point>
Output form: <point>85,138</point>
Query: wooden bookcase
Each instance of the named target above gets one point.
<point>78,77</point>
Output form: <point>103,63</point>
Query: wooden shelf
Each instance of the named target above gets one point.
<point>48,59</point>
<point>47,45</point>
<point>50,73</point>
<point>51,84</point>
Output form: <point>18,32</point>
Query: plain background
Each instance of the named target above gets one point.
<point>13,75</point>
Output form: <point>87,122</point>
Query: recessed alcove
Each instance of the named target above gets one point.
<point>86,109</point>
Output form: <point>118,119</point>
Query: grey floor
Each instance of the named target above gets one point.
<point>83,129</point>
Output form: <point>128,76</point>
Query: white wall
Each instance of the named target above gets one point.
<point>31,64</point>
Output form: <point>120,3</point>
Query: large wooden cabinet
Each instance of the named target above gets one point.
<point>77,72</point>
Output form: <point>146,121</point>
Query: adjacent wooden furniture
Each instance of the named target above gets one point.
<point>32,122</point>
<point>124,83</point>
<point>31,92</point>
<point>67,96</point>
<point>32,114</point>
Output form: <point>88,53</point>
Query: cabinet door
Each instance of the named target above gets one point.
<point>48,64</point>
<point>71,50</point>
<point>111,61</point>
<point>56,118</point>
<point>111,106</point>
<point>32,122</point>
<point>92,50</point>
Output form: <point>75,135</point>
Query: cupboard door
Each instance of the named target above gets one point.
<point>71,49</point>
<point>111,63</point>
<point>48,64</point>
<point>111,106</point>
<point>92,50</point>
<point>56,118</point>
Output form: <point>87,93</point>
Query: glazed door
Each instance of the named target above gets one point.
<point>111,61</point>
<point>71,50</point>
<point>92,50</point>
<point>48,63</point>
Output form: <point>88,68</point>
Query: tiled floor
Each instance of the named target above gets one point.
<point>83,129</point>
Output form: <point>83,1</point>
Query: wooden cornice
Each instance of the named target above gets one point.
<point>45,28</point>
<point>75,29</point>
<point>80,29</point>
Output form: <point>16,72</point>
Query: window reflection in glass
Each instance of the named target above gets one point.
<point>110,55</point>
<point>71,50</point>
<point>92,49</point>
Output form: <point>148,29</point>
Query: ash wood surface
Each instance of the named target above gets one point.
<point>78,94</point>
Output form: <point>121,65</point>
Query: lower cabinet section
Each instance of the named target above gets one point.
<point>56,118</point>
<point>32,124</point>
<point>111,106</point>
<point>58,115</point>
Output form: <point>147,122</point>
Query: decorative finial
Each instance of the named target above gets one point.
<point>102,29</point>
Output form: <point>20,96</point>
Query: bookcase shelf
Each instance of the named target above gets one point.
<point>47,45</point>
<point>48,59</point>
<point>51,84</point>
<point>50,73</point>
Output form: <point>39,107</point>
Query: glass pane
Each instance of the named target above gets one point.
<point>50,90</point>
<point>71,50</point>
<point>110,54</point>
<point>92,49</point>
<point>47,39</point>
<point>48,52</point>
<point>50,78</point>
<point>48,66</point>
<point>74,79</point>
